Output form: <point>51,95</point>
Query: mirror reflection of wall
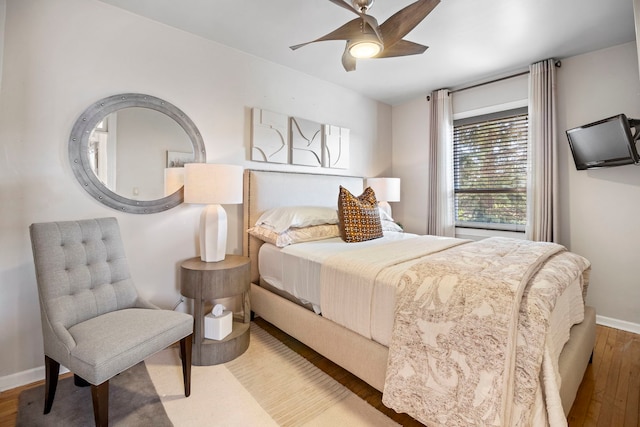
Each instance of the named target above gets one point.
<point>102,151</point>
<point>128,151</point>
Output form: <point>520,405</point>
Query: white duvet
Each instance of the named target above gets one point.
<point>297,270</point>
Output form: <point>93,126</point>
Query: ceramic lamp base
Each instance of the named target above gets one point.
<point>213,233</point>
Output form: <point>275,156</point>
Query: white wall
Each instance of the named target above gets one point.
<point>509,93</point>
<point>61,56</point>
<point>410,158</point>
<point>599,209</point>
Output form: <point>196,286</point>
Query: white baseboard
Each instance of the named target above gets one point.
<point>618,324</point>
<point>25,377</point>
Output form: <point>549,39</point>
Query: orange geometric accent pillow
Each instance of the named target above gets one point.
<point>359,218</point>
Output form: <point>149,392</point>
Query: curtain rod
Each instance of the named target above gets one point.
<point>558,64</point>
<point>490,81</point>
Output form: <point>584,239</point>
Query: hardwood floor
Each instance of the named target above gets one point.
<point>608,396</point>
<point>9,402</point>
<point>610,391</point>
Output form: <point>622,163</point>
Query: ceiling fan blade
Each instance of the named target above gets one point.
<point>345,5</point>
<point>402,48</point>
<point>373,23</point>
<point>405,20</point>
<point>348,31</point>
<point>348,61</point>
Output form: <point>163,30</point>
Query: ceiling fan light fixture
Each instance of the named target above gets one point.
<point>365,47</point>
<point>366,39</point>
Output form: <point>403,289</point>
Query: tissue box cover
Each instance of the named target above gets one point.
<point>216,328</point>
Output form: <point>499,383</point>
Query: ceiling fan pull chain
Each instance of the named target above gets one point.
<point>362,5</point>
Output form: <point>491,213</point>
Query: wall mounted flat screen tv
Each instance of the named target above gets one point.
<point>604,143</point>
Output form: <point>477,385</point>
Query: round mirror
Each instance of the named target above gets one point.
<point>128,152</point>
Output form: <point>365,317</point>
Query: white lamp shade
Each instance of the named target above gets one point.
<point>212,184</point>
<point>386,189</point>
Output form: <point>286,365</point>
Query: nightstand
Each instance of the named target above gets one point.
<point>205,281</point>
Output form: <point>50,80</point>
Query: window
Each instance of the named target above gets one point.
<point>490,170</point>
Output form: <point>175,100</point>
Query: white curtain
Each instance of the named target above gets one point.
<point>542,188</point>
<point>441,217</point>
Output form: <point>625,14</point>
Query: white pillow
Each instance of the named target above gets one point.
<point>384,215</point>
<point>281,219</point>
<point>388,223</point>
<point>295,235</point>
<point>390,226</point>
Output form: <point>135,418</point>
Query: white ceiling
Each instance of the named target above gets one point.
<point>469,40</point>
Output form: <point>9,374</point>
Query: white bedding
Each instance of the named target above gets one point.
<point>296,269</point>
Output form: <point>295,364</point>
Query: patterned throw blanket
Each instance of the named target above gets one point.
<point>469,336</point>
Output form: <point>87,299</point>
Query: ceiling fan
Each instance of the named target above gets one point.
<point>366,39</point>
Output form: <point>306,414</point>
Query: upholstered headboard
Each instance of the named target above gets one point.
<point>266,189</point>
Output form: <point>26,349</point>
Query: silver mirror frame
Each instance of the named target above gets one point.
<point>79,153</point>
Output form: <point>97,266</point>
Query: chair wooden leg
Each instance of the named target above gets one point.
<point>185,355</point>
<point>100,397</point>
<point>52,369</point>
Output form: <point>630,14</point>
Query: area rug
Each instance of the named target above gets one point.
<point>133,401</point>
<point>269,385</point>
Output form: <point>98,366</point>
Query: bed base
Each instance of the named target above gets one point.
<point>367,359</point>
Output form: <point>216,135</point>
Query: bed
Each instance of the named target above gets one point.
<point>366,353</point>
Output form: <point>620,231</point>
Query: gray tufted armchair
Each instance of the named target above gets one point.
<point>93,320</point>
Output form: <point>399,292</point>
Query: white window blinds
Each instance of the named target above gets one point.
<point>490,170</point>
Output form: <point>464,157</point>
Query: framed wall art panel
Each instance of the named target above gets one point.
<point>306,142</point>
<point>335,147</point>
<point>270,136</point>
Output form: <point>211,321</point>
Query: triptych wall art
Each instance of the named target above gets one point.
<point>278,138</point>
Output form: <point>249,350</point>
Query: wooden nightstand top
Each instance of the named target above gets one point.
<point>203,280</point>
<point>229,262</point>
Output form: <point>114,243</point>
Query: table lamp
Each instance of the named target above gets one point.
<point>213,185</point>
<point>387,190</point>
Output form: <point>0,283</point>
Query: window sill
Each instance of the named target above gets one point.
<point>477,234</point>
